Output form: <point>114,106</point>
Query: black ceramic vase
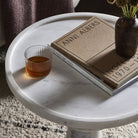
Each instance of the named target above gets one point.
<point>126,36</point>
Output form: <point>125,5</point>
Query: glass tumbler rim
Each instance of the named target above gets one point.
<point>25,52</point>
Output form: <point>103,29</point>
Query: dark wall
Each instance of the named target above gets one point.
<point>100,6</point>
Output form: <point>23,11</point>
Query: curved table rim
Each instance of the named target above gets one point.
<point>94,124</point>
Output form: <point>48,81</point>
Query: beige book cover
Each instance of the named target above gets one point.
<point>92,45</point>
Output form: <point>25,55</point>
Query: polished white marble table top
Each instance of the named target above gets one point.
<point>65,96</point>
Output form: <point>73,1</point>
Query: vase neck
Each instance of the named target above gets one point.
<point>128,19</point>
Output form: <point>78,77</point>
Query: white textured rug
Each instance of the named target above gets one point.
<point>16,121</point>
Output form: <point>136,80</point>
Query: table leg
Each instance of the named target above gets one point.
<point>74,133</point>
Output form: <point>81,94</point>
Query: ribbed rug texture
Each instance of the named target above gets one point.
<point>16,121</point>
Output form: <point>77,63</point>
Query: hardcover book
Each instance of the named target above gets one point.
<point>92,46</point>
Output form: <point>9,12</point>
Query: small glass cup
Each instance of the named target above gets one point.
<point>38,60</point>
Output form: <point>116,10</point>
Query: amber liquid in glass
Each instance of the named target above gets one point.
<point>38,66</point>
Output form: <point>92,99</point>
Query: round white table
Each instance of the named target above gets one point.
<point>65,96</point>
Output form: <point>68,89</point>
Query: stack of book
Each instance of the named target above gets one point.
<point>90,49</point>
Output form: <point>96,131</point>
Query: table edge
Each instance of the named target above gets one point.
<point>52,115</point>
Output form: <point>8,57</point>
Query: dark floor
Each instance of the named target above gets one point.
<point>4,89</point>
<point>100,6</point>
